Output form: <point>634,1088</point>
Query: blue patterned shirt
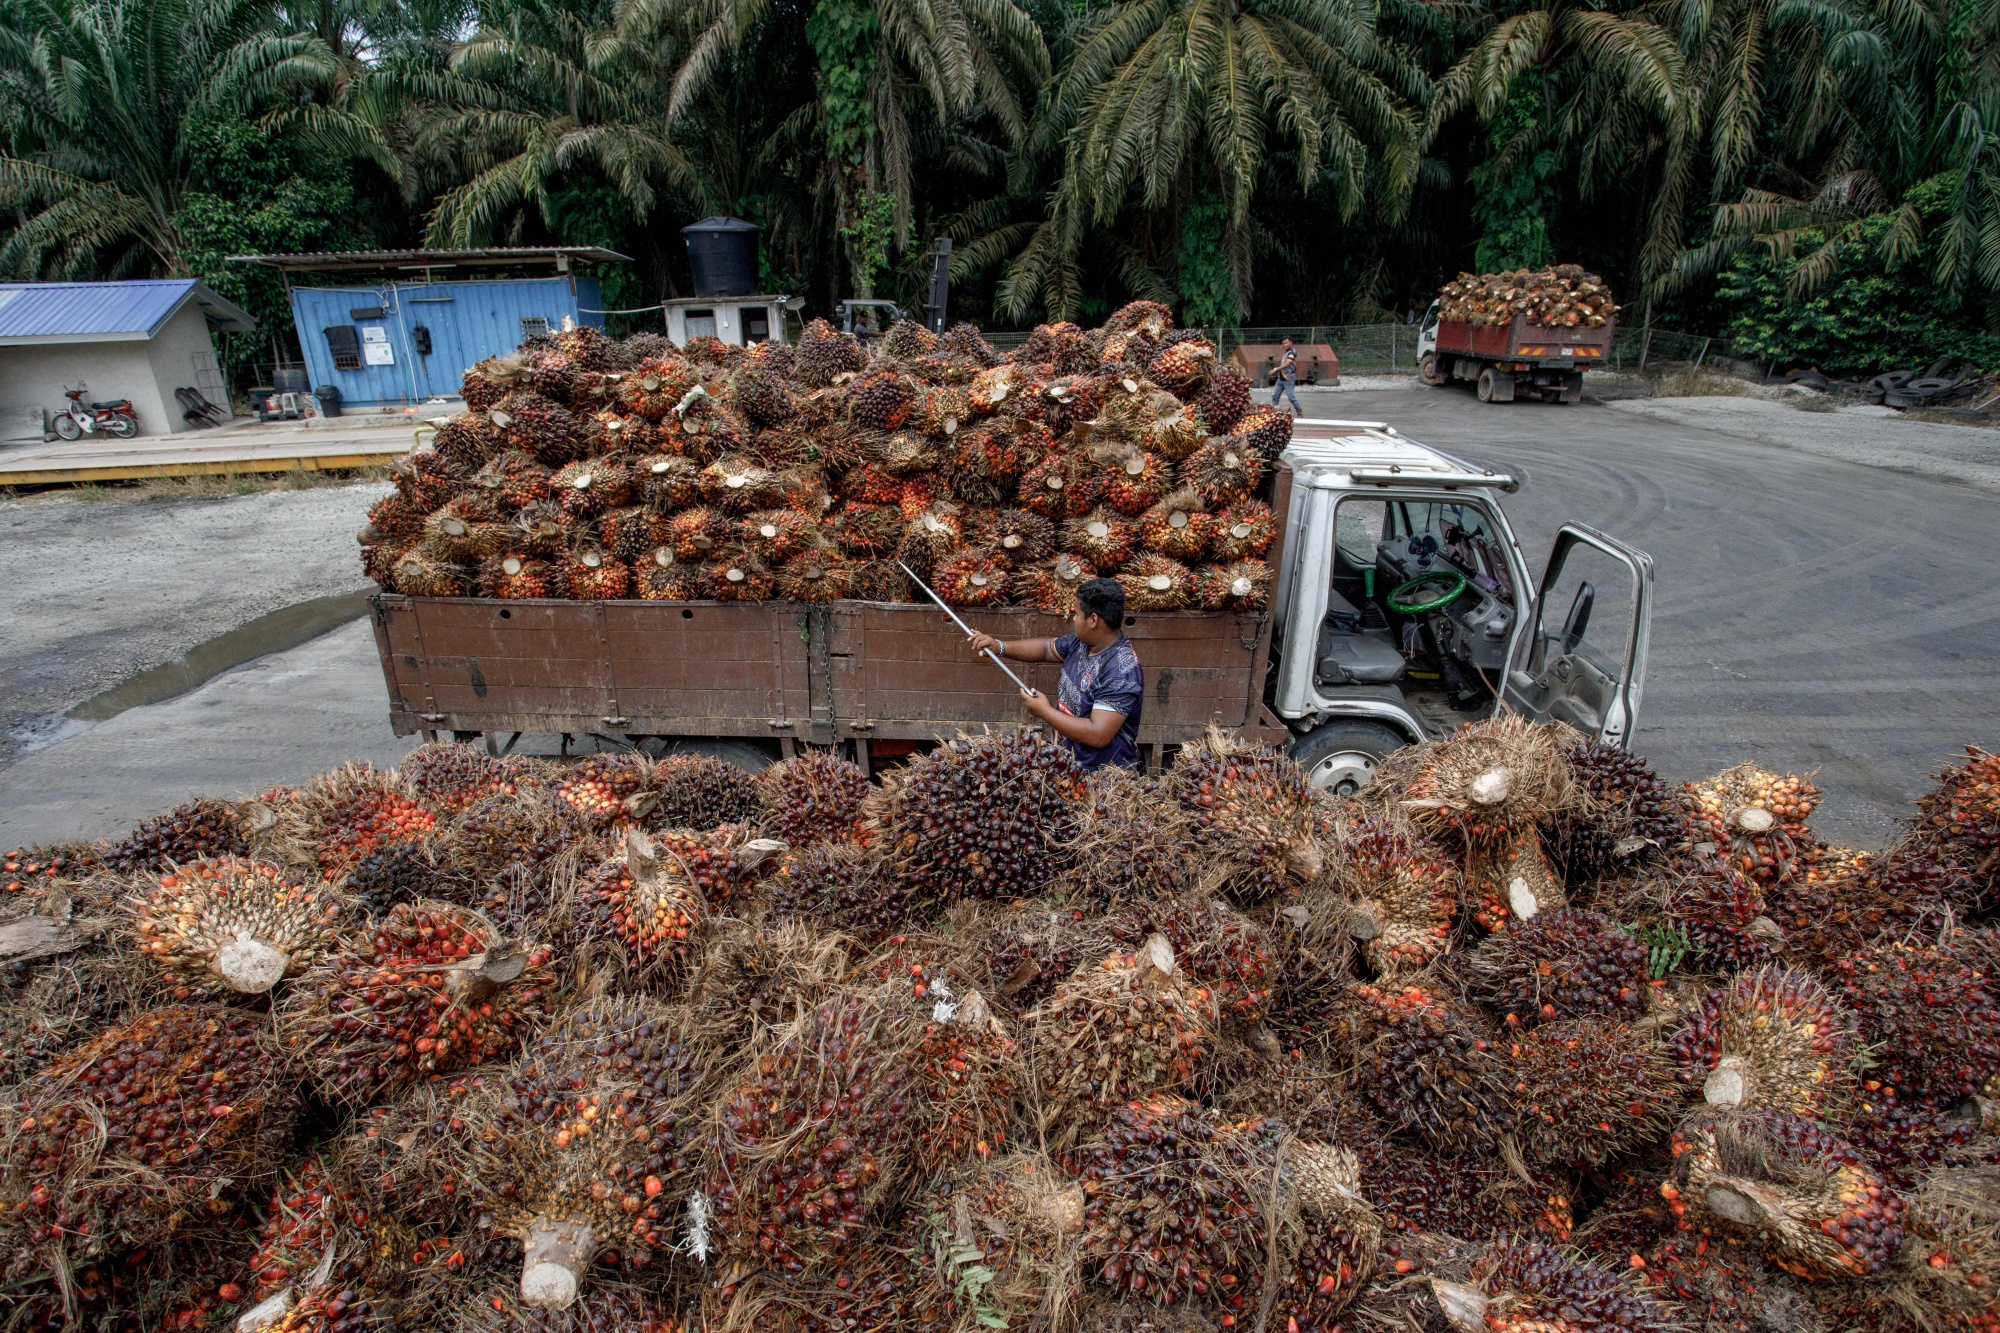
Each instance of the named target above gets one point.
<point>1111,679</point>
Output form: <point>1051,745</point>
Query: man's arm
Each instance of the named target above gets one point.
<point>1020,650</point>
<point>1093,732</point>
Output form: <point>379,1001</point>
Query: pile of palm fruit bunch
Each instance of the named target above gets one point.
<point>1520,1038</point>
<point>594,469</point>
<point>1562,295</point>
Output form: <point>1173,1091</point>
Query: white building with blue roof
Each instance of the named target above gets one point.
<point>138,340</point>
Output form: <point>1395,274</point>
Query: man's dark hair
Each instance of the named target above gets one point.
<point>1105,599</point>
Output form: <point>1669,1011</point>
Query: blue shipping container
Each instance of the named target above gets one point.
<point>369,341</point>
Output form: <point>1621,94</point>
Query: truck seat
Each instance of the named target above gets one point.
<point>1351,655</point>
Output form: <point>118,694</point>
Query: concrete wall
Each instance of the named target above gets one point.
<point>147,372</point>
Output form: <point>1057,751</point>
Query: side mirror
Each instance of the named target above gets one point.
<point>1579,616</point>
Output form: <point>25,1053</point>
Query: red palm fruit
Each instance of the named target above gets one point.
<point>738,576</point>
<point>879,581</point>
<point>593,575</point>
<point>1050,587</point>
<point>1243,531</point>
<point>468,441</point>
<point>967,1070</point>
<point>1131,480</point>
<point>816,576</point>
<point>540,426</point>
<point>1929,1014</point>
<point>1243,586</point>
<point>1179,527</point>
<point>425,478</point>
<point>920,495</point>
<point>448,776</point>
<point>1958,825</point>
<point>1722,1285</point>
<point>931,536</point>
<point>464,530</point>
<point>515,576</point>
<point>1218,948</point>
<point>351,811</point>
<point>1774,1038</point>
<point>1155,583</point>
<point>232,924</point>
<point>845,885</point>
<point>1224,471</point>
<point>1266,430</point>
<point>1787,1186</point>
<point>1018,538</point>
<point>1062,485</point>
<point>1184,368</point>
<point>1525,1287</point>
<point>740,484</point>
<point>1254,816</point>
<point>633,530</point>
<point>667,482</point>
<point>1427,1064</point>
<point>662,576</point>
<point>512,480</point>
<point>1225,400</point>
<point>868,529</point>
<point>1588,1089</point>
<point>1758,818</point>
<point>656,385</point>
<point>983,816</point>
<point>541,531</point>
<point>427,989</point>
<point>1103,538</point>
<point>775,535</point>
<point>1417,1191</point>
<point>1404,890</point>
<point>1340,1243</point>
<point>603,788</point>
<point>203,827</point>
<point>699,791</point>
<point>904,453</point>
<point>173,1115</point>
<point>1125,1027</point>
<point>315,1208</point>
<point>1721,910</point>
<point>812,798</point>
<point>698,533</point>
<point>869,484</point>
<point>824,352</point>
<point>419,573</point>
<point>971,578</point>
<point>1568,963</point>
<point>394,518</point>
<point>1845,901</point>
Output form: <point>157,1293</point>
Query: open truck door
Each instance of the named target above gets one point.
<point>1583,660</point>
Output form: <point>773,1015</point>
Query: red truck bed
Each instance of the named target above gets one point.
<point>1522,341</point>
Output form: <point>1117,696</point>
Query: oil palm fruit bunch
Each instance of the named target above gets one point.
<point>1630,812</point>
<point>1588,1089</point>
<point>488,381</point>
<point>646,902</point>
<point>539,530</point>
<point>942,409</point>
<point>153,1124</point>
<point>593,574</point>
<point>1568,963</point>
<point>427,989</point>
<point>1016,537</point>
<point>725,864</point>
<point>982,816</point>
<point>1184,368</point>
<point>607,787</point>
<point>868,529</point>
<point>448,776</point>
<point>392,519</point>
<point>1758,817</point>
<point>510,481</point>
<point>698,533</point>
<point>1131,479</point>
<point>398,873</point>
<point>418,573</point>
<point>465,530</point>
<point>1243,531</point>
<point>1129,845</point>
<point>1929,1014</point>
<point>882,400</point>
<point>1223,471</point>
<point>317,1208</point>
<point>823,353</point>
<point>201,828</point>
<point>758,391</point>
<point>1266,431</point>
<point>425,478</point>
<point>869,483</point>
<point>698,791</point>
<point>1173,1213</point>
<point>842,884</point>
<point>814,797</point>
<point>740,484</point>
<point>352,810</point>
<point>738,575</point>
<point>1907,1137</point>
<point>1063,485</point>
<point>591,1142</point>
<point>656,385</point>
<point>1179,526</point>
<point>539,426</point>
<point>629,532</point>
<point>232,924</point>
<point>1958,821</point>
<point>1015,1216</point>
<point>662,576</point>
<point>1225,400</point>
<point>776,535</point>
<point>967,1070</point>
<point>1776,1038</point>
<point>1426,1064</point>
<point>1127,1026</point>
<point>816,575</point>
<point>810,1135</point>
<point>1156,583</point>
<point>1720,909</point>
<point>931,536</point>
<point>1787,1186</point>
<point>1050,587</point>
<point>1340,1238</point>
<point>1467,1193</point>
<point>1220,949</point>
<point>1253,814</point>
<point>971,578</point>
<point>667,483</point>
<point>1527,1287</point>
<point>1102,537</point>
<point>1243,586</point>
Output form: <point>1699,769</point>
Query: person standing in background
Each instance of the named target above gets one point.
<point>1285,379</point>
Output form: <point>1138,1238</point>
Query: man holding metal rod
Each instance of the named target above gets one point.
<point>1103,688</point>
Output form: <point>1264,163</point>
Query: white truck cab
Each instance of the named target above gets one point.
<point>1405,606</point>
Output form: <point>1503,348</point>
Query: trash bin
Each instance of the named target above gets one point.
<point>329,400</point>
<point>722,255</point>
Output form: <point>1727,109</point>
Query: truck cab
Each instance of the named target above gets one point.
<point>1405,607</point>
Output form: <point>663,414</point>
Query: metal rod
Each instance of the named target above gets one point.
<point>986,652</point>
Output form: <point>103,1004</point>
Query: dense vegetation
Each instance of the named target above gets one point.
<point>1817,180</point>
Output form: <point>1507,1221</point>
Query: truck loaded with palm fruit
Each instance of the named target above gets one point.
<point>1518,333</point>
<point>702,547</point>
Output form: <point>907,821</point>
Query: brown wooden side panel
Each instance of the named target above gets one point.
<point>402,661</point>
<point>729,668</point>
<point>524,658</point>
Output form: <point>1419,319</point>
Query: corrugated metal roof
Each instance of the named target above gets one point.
<point>67,312</point>
<point>348,261</point>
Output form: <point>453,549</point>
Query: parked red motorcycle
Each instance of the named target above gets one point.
<point>78,420</point>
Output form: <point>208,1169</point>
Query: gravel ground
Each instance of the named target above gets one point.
<point>103,590</point>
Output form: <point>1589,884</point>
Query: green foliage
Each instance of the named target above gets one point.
<point>1207,287</point>
<point>599,215</point>
<point>1878,312</point>
<point>871,227</point>
<point>844,35</point>
<point>1514,188</point>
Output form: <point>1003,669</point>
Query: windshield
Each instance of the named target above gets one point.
<point>1462,536</point>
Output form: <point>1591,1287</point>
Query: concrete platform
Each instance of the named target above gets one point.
<point>252,447</point>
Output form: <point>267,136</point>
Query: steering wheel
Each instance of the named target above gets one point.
<point>1454,584</point>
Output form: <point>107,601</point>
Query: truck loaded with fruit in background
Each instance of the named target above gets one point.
<point>700,546</point>
<point>1518,334</point>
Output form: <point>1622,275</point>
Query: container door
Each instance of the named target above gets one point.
<point>1584,662</point>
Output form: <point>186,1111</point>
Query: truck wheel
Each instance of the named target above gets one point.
<point>1427,370</point>
<point>1485,389</point>
<point>746,755</point>
<point>1495,386</point>
<point>1341,757</point>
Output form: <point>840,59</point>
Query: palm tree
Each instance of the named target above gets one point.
<point>1164,99</point>
<point>97,95</point>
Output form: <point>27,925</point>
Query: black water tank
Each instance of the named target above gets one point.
<point>723,254</point>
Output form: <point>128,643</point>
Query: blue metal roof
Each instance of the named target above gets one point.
<point>77,312</point>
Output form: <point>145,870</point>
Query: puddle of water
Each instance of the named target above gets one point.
<point>42,732</point>
<point>274,633</point>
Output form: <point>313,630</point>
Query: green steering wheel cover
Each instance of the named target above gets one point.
<point>1458,582</point>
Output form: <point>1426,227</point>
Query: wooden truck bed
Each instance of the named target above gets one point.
<point>785,671</point>
<point>1522,340</point>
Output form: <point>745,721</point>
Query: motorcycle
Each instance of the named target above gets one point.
<point>113,418</point>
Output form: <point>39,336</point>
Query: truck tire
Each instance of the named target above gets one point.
<point>1428,372</point>
<point>1342,756</point>
<point>1495,386</point>
<point>746,755</point>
